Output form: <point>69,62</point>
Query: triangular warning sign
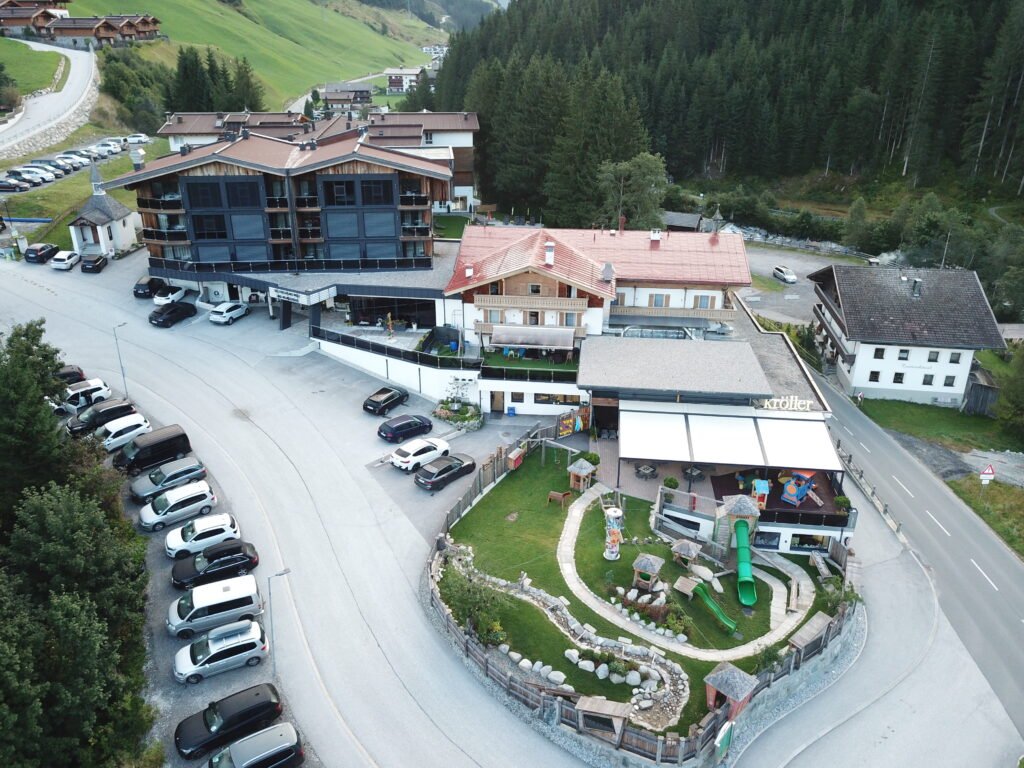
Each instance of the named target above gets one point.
<point>989,470</point>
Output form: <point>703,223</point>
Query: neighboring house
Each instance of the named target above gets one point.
<point>103,225</point>
<point>682,222</point>
<point>145,27</point>
<point>127,26</point>
<point>57,6</point>
<point>96,30</point>
<point>903,334</point>
<point>345,98</point>
<point>198,129</point>
<point>401,79</point>
<point>265,216</point>
<point>15,19</point>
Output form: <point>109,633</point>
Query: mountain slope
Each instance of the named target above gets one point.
<point>292,44</point>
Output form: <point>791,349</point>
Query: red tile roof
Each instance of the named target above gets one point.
<point>686,258</point>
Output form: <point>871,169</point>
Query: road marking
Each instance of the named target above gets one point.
<point>985,575</point>
<point>864,447</point>
<point>937,522</point>
<point>846,428</point>
<point>903,486</point>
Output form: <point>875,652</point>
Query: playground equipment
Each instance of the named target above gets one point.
<point>701,591</point>
<point>613,522</point>
<point>745,587</point>
<point>759,490</point>
<point>797,487</point>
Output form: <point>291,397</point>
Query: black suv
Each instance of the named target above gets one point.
<point>146,286</point>
<point>401,428</point>
<point>226,720</point>
<point>40,253</point>
<point>384,399</point>
<point>221,561</point>
<point>441,471</point>
<point>167,315</point>
<point>95,416</point>
<point>71,374</point>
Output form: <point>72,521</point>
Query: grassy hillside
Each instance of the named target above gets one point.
<point>292,44</point>
<point>32,69</point>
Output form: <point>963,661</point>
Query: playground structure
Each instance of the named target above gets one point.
<point>745,587</point>
<point>613,522</point>
<point>798,486</point>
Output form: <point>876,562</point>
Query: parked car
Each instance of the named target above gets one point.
<point>11,184</point>
<point>113,147</point>
<point>26,170</point>
<point>200,533</point>
<point>230,718</point>
<point>228,312</point>
<point>65,260</point>
<point>785,274</point>
<point>438,473</point>
<point>40,253</point>
<point>74,161</point>
<point>117,141</point>
<point>96,416</point>
<point>152,450</point>
<point>146,286</point>
<point>403,427</point>
<point>177,504</point>
<point>121,431</point>
<point>239,644</point>
<point>56,171</point>
<point>53,162</point>
<point>103,150</point>
<point>148,486</point>
<point>216,562</point>
<point>415,453</point>
<point>384,399</point>
<point>138,138</point>
<point>167,315</point>
<point>71,374</point>
<point>94,262</point>
<point>278,746</point>
<point>88,154</point>
<point>85,393</point>
<point>165,294</point>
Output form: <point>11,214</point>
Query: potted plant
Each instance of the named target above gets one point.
<point>843,503</point>
<point>672,483</point>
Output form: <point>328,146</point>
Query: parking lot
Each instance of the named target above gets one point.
<point>292,455</point>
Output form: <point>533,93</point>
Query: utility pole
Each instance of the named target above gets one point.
<point>946,248</point>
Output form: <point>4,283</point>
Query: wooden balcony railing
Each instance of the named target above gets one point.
<point>579,331</point>
<point>707,314</point>
<point>530,302</point>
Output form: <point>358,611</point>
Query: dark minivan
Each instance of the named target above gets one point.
<point>230,718</point>
<point>95,416</point>
<point>151,449</point>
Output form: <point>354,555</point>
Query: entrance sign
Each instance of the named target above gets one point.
<point>785,403</point>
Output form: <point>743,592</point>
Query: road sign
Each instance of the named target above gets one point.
<point>987,475</point>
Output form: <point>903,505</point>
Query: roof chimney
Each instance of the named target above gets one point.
<point>915,288</point>
<point>469,271</point>
<point>465,116</point>
<point>622,223</point>
<point>607,272</point>
<point>549,253</point>
<point>180,120</point>
<point>655,235</point>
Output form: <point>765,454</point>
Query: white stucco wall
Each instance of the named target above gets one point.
<point>451,139</point>
<point>679,298</point>
<point>529,389</point>
<point>199,140</point>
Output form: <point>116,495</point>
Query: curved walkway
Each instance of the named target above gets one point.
<point>567,565</point>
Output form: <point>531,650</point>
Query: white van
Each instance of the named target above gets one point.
<point>211,605</point>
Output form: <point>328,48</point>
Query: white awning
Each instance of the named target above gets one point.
<point>724,440</point>
<point>797,444</point>
<point>533,336</point>
<point>654,436</point>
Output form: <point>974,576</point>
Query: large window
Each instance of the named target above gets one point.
<point>879,353</point>
<point>897,378</point>
<point>378,192</point>
<point>248,226</point>
<point>873,376</point>
<point>209,227</point>
<point>381,251</point>
<point>204,194</point>
<point>546,399</point>
<point>345,251</point>
<point>954,358</point>
<point>243,194</point>
<point>214,253</point>
<point>928,379</point>
<point>933,357</point>
<point>342,224</point>
<point>251,252</point>
<point>950,381</point>
<point>340,192</point>
<point>379,224</point>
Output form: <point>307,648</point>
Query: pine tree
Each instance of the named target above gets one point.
<point>482,95</point>
<point>307,109</point>
<point>248,90</point>
<point>633,188</point>
<point>191,90</point>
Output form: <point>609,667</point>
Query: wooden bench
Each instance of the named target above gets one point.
<point>819,563</point>
<point>560,496</point>
<point>794,595</point>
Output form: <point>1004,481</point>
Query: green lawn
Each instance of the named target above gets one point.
<point>998,504</point>
<point>945,426</point>
<point>292,44</point>
<point>450,226</point>
<point>498,359</point>
<point>1000,368</point>
<point>769,284</point>
<point>31,69</point>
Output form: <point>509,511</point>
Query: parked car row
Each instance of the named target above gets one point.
<point>41,253</point>
<point>44,170</point>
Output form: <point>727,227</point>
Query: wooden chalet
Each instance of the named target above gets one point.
<point>13,17</point>
<point>100,31</point>
<point>140,26</point>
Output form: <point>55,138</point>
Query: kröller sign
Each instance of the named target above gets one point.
<point>784,403</point>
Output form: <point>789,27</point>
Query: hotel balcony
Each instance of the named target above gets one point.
<point>722,315</point>
<point>169,202</point>
<point>483,301</point>
<point>307,202</point>
<point>409,201</point>
<point>173,235</point>
<point>415,231</point>
<point>277,203</point>
<point>578,331</point>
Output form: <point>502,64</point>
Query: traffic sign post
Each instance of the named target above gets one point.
<point>987,475</point>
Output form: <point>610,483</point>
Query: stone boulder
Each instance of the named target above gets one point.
<point>654,675</point>
<point>602,672</point>
<point>620,591</point>
<point>572,655</point>
<point>659,600</point>
<point>503,648</point>
<point>646,704</point>
<point>526,665</point>
<point>633,678</point>
<point>644,600</point>
<point>616,679</point>
<point>649,685</point>
<point>586,665</point>
<point>546,670</point>
<point>538,665</point>
<point>659,586</point>
<point>515,656</point>
<point>631,595</point>
<point>556,677</point>
<point>717,586</point>
<point>703,571</point>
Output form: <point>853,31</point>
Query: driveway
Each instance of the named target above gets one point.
<point>367,678</point>
<point>44,112</point>
<point>793,303</point>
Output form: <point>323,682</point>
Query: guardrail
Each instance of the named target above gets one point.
<point>410,356</point>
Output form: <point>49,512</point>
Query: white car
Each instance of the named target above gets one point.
<point>178,504</point>
<point>85,393</point>
<point>785,274</point>
<point>228,312</point>
<point>121,431</point>
<point>196,535</point>
<point>239,644</point>
<point>168,294</point>
<point>74,161</point>
<point>65,260</point>
<point>103,150</point>
<point>138,138</point>
<point>34,170</point>
<point>56,170</point>
<point>414,454</point>
<point>113,146</point>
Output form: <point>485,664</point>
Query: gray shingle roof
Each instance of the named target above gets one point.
<point>742,506</point>
<point>648,563</point>
<point>732,681</point>
<point>679,219</point>
<point>103,209</point>
<point>581,467</point>
<point>878,306</point>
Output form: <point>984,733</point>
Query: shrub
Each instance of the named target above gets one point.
<point>617,667</point>
<point>843,503</point>
<point>475,605</point>
<point>670,482</point>
<point>592,456</point>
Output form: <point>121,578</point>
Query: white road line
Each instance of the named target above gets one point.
<point>903,486</point>
<point>937,522</point>
<point>847,428</point>
<point>985,575</point>
<point>864,447</point>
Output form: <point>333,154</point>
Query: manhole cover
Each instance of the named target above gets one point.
<point>512,517</point>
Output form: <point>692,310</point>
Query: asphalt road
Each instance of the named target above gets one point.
<point>366,677</point>
<point>43,111</point>
<point>980,581</point>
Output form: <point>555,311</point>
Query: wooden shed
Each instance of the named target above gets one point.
<point>732,684</point>
<point>581,473</point>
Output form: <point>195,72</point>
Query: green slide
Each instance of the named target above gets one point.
<point>702,592</point>
<point>744,575</point>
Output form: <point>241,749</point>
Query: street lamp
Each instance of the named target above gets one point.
<point>117,345</point>
<point>273,624</point>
